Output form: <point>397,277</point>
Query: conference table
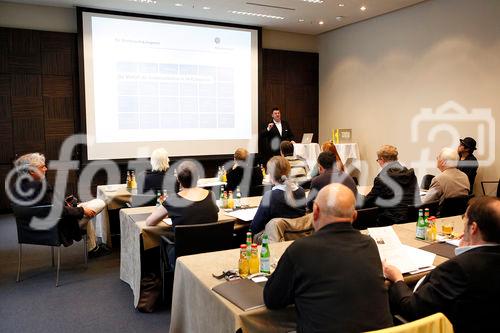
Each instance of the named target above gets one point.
<point>196,308</point>
<point>133,228</point>
<point>310,152</point>
<point>117,196</point>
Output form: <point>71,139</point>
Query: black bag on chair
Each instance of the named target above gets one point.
<point>150,292</point>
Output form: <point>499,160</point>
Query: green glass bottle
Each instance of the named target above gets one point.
<point>421,225</point>
<point>265,256</point>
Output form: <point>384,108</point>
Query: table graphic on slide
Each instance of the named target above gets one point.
<point>169,95</point>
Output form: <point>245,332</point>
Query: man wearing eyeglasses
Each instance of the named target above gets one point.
<point>466,288</point>
<point>31,188</point>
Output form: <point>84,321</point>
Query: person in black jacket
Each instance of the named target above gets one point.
<point>333,277</point>
<point>468,162</point>
<point>276,131</point>
<point>158,178</point>
<point>32,189</point>
<point>394,188</point>
<point>465,288</point>
<point>243,174</point>
<point>328,174</point>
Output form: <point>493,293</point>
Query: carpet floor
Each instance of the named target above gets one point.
<point>91,299</point>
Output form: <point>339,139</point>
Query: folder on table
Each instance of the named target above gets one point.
<point>245,294</point>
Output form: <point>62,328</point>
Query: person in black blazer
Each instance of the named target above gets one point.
<point>276,131</point>
<point>243,174</point>
<point>158,178</point>
<point>328,174</point>
<point>333,277</point>
<point>465,288</point>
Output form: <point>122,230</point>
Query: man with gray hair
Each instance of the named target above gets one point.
<point>451,182</point>
<point>31,189</point>
<point>330,275</point>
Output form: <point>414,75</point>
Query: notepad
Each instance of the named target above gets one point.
<point>245,294</point>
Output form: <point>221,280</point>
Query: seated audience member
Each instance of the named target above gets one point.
<point>157,178</point>
<point>243,174</point>
<point>328,146</point>
<point>394,188</point>
<point>451,182</point>
<point>333,277</point>
<point>328,174</point>
<point>32,189</point>
<point>299,167</point>
<point>285,199</point>
<point>468,163</point>
<point>465,288</point>
<point>192,205</point>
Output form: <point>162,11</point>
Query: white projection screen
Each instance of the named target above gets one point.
<point>190,88</point>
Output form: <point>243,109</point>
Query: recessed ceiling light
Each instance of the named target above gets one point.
<point>301,20</point>
<point>341,5</point>
<point>178,5</point>
<point>313,1</point>
<point>339,18</point>
<point>363,8</point>
<point>206,8</point>
<point>321,22</point>
<point>149,2</point>
<point>256,14</point>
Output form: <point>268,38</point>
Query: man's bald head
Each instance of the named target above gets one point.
<point>334,203</point>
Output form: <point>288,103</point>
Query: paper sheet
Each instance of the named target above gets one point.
<point>405,258</point>
<point>243,214</point>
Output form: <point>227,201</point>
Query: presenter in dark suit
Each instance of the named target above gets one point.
<point>465,288</point>
<point>277,130</point>
<point>333,277</point>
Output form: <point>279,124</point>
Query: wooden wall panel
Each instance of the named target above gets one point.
<point>290,82</point>
<point>4,51</point>
<point>24,51</point>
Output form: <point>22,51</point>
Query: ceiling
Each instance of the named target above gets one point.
<point>298,16</point>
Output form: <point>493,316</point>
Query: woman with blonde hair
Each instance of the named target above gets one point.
<point>157,179</point>
<point>286,199</point>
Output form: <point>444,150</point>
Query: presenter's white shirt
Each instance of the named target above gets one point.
<point>278,126</point>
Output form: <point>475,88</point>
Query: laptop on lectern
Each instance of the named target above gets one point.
<point>307,137</point>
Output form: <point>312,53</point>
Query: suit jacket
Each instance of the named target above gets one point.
<point>329,177</point>
<point>469,166</point>
<point>236,176</point>
<point>335,280</point>
<point>156,181</point>
<point>408,193</point>
<point>450,183</point>
<point>272,138</point>
<point>465,289</point>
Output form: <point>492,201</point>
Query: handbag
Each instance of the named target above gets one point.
<point>149,293</point>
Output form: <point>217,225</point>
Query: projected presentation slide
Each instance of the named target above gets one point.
<point>149,80</point>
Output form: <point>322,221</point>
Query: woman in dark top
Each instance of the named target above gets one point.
<point>157,179</point>
<point>286,199</point>
<point>236,175</point>
<point>192,205</point>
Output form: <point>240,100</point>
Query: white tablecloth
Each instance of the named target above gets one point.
<point>347,150</point>
<point>308,151</point>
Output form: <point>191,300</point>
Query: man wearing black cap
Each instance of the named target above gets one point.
<point>468,163</point>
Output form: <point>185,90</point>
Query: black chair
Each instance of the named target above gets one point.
<point>194,239</point>
<point>49,237</point>
<point>426,182</point>
<point>454,206</point>
<point>413,210</point>
<point>491,182</point>
<point>367,218</point>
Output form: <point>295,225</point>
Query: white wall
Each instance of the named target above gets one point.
<point>376,75</point>
<point>64,20</point>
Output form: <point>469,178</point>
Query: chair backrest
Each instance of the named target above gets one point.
<point>142,200</point>
<point>200,238</point>
<point>436,323</point>
<point>413,210</point>
<point>426,181</point>
<point>28,235</point>
<point>367,218</point>
<point>284,229</point>
<point>498,189</point>
<point>454,206</point>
